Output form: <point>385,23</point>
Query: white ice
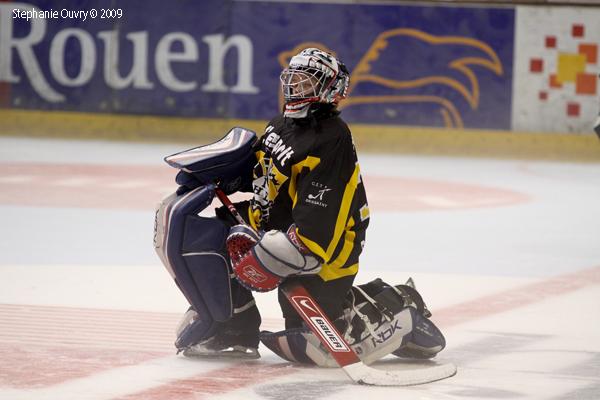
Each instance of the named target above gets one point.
<point>543,348</point>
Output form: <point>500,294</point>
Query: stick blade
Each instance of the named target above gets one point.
<point>365,375</point>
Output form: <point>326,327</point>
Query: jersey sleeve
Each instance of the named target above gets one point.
<point>326,196</point>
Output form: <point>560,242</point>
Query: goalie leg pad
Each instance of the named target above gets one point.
<point>424,342</point>
<point>375,298</point>
<point>298,345</point>
<point>302,346</point>
<point>205,257</point>
<point>192,329</point>
<point>380,320</point>
<point>192,249</point>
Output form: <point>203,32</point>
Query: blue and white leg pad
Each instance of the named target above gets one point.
<point>299,346</point>
<point>380,320</point>
<point>302,346</point>
<point>192,248</point>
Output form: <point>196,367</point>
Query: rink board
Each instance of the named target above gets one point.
<point>370,138</point>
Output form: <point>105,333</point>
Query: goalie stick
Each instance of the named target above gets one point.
<point>335,343</point>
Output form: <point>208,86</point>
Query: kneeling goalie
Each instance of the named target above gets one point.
<point>306,221</point>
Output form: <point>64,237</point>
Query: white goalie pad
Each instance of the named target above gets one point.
<point>380,320</point>
<point>303,346</point>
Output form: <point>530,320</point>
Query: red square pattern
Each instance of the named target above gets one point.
<point>578,30</point>
<point>536,65</point>
<point>573,109</point>
<point>543,95</point>
<point>551,42</point>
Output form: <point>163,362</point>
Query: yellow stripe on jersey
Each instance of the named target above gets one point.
<point>309,162</point>
<point>331,274</point>
<point>253,217</point>
<point>314,247</point>
<point>340,224</point>
<point>342,217</point>
<point>334,270</point>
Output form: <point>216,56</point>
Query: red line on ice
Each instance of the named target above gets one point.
<point>214,382</point>
<point>139,188</point>
<point>520,296</point>
<point>87,349</point>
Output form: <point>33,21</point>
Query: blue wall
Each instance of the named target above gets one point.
<point>412,65</point>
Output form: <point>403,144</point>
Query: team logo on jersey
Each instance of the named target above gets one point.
<point>277,148</point>
<point>317,198</point>
<point>266,184</point>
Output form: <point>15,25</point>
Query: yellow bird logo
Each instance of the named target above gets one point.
<point>379,78</point>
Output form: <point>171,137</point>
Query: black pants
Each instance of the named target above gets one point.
<point>330,295</point>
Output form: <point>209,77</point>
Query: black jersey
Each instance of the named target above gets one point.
<point>308,174</point>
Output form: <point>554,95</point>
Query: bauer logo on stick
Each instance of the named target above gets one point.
<point>323,327</point>
<point>335,343</point>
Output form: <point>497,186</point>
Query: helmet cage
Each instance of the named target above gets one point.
<point>304,84</point>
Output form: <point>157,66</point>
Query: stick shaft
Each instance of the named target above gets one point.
<point>227,203</point>
<point>319,323</point>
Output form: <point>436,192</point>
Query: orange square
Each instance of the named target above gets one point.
<point>590,50</point>
<point>586,84</point>
<point>554,83</point>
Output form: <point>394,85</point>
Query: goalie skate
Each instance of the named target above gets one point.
<point>215,347</point>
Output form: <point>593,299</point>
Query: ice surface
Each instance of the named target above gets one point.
<point>506,254</point>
